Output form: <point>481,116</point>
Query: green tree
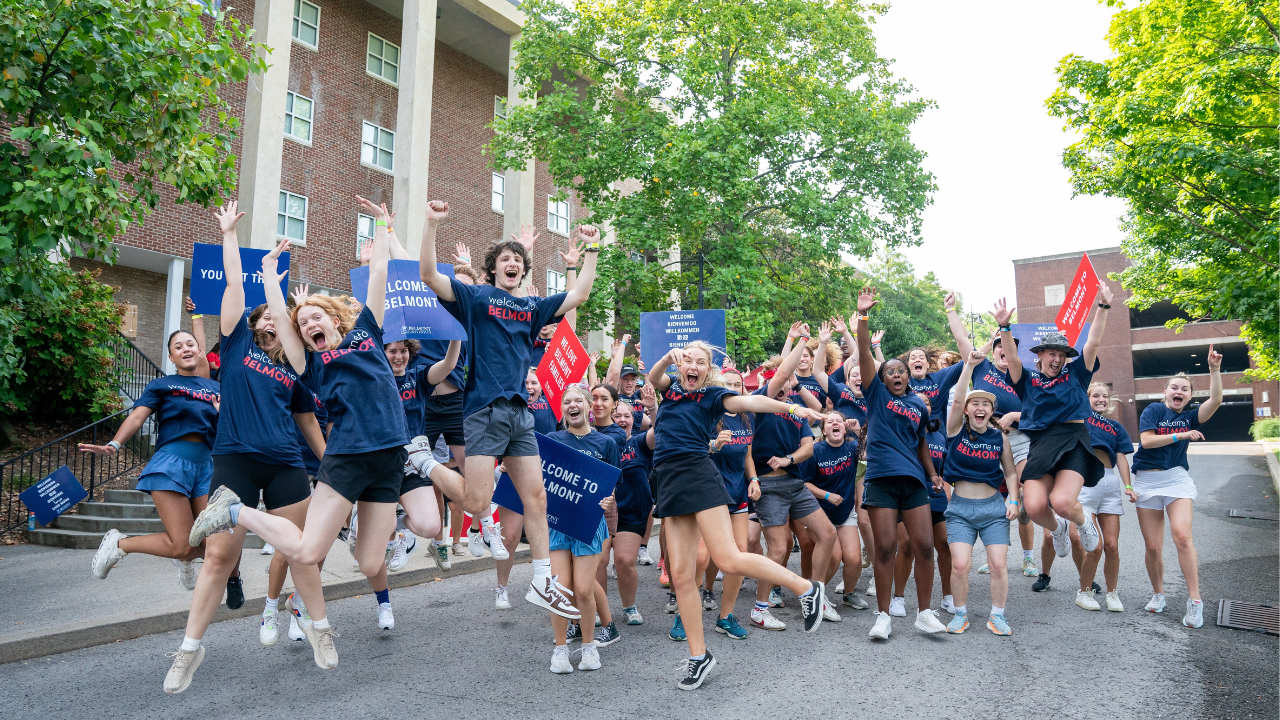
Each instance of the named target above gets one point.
<point>1182,124</point>
<point>104,101</point>
<point>910,310</point>
<point>766,137</point>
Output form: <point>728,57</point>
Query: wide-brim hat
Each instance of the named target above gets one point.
<point>980,395</point>
<point>1055,341</point>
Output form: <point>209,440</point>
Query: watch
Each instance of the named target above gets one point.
<point>793,460</point>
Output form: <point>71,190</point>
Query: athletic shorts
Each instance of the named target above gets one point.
<point>1105,498</point>
<point>633,528</point>
<point>740,509</point>
<point>686,484</point>
<point>560,541</point>
<point>784,498</point>
<point>1065,446</point>
<point>413,481</point>
<point>444,417</point>
<point>901,492</point>
<point>968,519</point>
<point>851,521</point>
<point>182,466</point>
<point>1157,488</point>
<point>374,476</point>
<point>1020,444</point>
<point>502,429</point>
<point>939,516</point>
<point>251,478</point>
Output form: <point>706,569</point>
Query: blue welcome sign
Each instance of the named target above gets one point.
<point>1028,336</point>
<point>412,310</point>
<point>575,482</point>
<point>208,283</point>
<point>661,331</point>
<point>53,495</point>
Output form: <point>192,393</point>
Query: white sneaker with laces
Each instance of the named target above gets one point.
<point>269,631</point>
<point>295,632</point>
<point>882,628</point>
<point>500,600</point>
<point>1084,598</point>
<point>1113,601</point>
<point>898,607</point>
<point>1156,604</point>
<point>719,576</point>
<point>871,587</point>
<point>560,664</point>
<point>839,587</point>
<point>927,621</point>
<point>949,604</point>
<point>829,613</point>
<point>1089,538</point>
<point>184,667</point>
<point>1195,614</point>
<point>386,620</point>
<point>474,543</point>
<point>643,556</point>
<point>765,620</point>
<point>267,549</point>
<point>590,658</point>
<point>186,574</point>
<point>109,553</point>
<point>400,555</point>
<point>493,538</point>
<point>1062,538</point>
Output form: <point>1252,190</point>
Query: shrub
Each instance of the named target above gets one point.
<point>1266,429</point>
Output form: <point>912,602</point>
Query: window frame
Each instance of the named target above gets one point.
<point>311,122</point>
<point>306,209</point>
<point>378,147</point>
<point>554,287</point>
<point>499,195</point>
<point>295,18</point>
<point>501,108</point>
<point>383,60</point>
<point>360,237</point>
<point>552,206</point>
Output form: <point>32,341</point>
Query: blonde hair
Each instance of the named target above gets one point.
<point>1182,376</point>
<point>713,370</point>
<point>950,357</point>
<point>1111,401</point>
<point>338,308</point>
<point>835,356</point>
<point>581,391</point>
<point>829,414</point>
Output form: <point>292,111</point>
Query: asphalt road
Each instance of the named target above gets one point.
<point>452,654</point>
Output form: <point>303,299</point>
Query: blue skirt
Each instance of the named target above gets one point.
<point>181,466</point>
<point>560,541</point>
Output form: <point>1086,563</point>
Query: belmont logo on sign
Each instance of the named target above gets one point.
<point>208,282</point>
<point>1075,308</point>
<point>563,364</point>
<point>661,331</point>
<point>54,495</point>
<point>411,309</point>
<point>575,482</point>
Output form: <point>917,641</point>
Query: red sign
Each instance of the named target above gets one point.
<point>1075,307</point>
<point>564,363</point>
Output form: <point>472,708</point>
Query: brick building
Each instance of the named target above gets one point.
<point>387,99</point>
<point>1138,353</point>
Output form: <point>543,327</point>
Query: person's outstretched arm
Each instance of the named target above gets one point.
<point>820,356</point>
<point>958,332</point>
<point>866,361</point>
<point>441,369</point>
<point>1099,325</point>
<point>286,331</point>
<point>197,331</point>
<point>1002,313</point>
<point>233,297</point>
<point>955,418</point>
<point>437,211</point>
<point>785,370</point>
<point>1210,406</point>
<point>581,290</point>
<point>613,375</point>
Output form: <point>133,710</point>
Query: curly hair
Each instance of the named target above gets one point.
<point>948,358</point>
<point>930,357</point>
<point>338,308</point>
<point>468,271</point>
<point>413,346</point>
<point>491,260</point>
<point>835,356</point>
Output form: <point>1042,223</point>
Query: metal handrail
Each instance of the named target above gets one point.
<point>134,369</point>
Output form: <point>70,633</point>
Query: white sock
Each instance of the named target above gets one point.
<point>486,522</point>
<point>190,644</point>
<point>320,624</point>
<point>962,609</point>
<point>541,568</point>
<point>1027,553</point>
<point>997,610</point>
<point>949,598</point>
<point>1063,527</point>
<point>272,604</point>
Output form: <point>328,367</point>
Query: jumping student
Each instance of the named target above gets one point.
<point>1105,500</point>
<point>731,453</point>
<point>1163,486</point>
<point>691,497</point>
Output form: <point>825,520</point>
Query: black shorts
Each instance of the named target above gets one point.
<point>249,477</point>
<point>413,482</point>
<point>686,484</point>
<point>1065,446</point>
<point>939,517</point>
<point>633,528</point>
<point>444,417</point>
<point>374,476</point>
<point>901,492</point>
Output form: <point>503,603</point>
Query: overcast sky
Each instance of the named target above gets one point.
<point>994,151</point>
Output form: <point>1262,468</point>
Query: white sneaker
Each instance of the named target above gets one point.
<point>985,569</point>
<point>949,604</point>
<point>927,621</point>
<point>898,607</point>
<point>400,557</point>
<point>267,549</point>
<point>765,620</point>
<point>269,631</point>
<point>1089,538</point>
<point>590,658</point>
<point>351,534</point>
<point>186,574</point>
<point>719,576</point>
<point>829,613</point>
<point>1113,601</point>
<point>1062,538</point>
<point>560,664</point>
<point>1156,605</point>
<point>386,621</point>
<point>1084,598</point>
<point>500,600</point>
<point>643,556</point>
<point>839,587</point>
<point>611,572</point>
<point>474,543</point>
<point>184,668</point>
<point>493,538</point>
<point>882,628</point>
<point>109,553</point>
<point>295,632</point>
<point>1195,614</point>
<point>871,587</point>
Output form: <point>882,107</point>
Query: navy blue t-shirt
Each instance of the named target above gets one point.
<point>539,349</point>
<point>835,470</point>
<point>986,376</point>
<point>544,418</point>
<point>731,459</point>
<point>309,459</point>
<point>894,428</point>
<point>615,432</point>
<point>634,496</point>
<point>846,403</point>
<point>359,391</point>
<point>637,410</point>
<point>414,389</point>
<point>433,351</point>
<point>182,405</point>
<point>501,329</point>
<point>686,420</point>
<point>975,460</point>
<point>810,383</point>
<point>936,386</point>
<point>594,443</point>
<point>838,375</point>
<point>938,454</point>
<point>258,402</point>
<point>1163,421</point>
<point>1109,435</point>
<point>777,435</point>
<point>1049,401</point>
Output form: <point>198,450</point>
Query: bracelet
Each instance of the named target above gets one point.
<point>571,268</point>
<point>827,497</point>
<point>1006,328</point>
<point>792,410</point>
<point>874,344</point>
<point>754,480</point>
<point>113,444</point>
<point>864,317</point>
<point>1104,306</point>
<point>196,317</point>
<point>464,260</point>
<point>1010,502</point>
<point>392,230</point>
<point>593,247</point>
<point>946,310</point>
<point>1128,487</point>
<point>380,223</point>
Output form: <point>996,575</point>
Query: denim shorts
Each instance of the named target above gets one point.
<point>560,541</point>
<point>969,519</point>
<point>182,466</point>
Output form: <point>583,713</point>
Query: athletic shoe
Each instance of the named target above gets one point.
<point>322,648</point>
<point>1029,568</point>
<point>295,632</point>
<point>959,623</point>
<point>671,605</point>
<point>611,572</point>
<point>1089,537</point>
<point>643,556</point>
<point>852,600</point>
<point>1041,584</point>
<point>109,553</point>
<point>1195,614</point>
<point>550,595</point>
<point>183,669</point>
<point>696,671</point>
<point>795,544</point>
<point>709,600</point>
<point>386,620</point>
<point>1084,598</point>
<point>949,604</point>
<point>866,558</point>
<point>1113,601</point>
<point>400,553</point>
<point>829,614</point>
<point>607,635</point>
<point>1096,588</point>
<point>475,543</point>
<point>664,579</point>
<point>633,616</point>
<point>898,607</point>
<point>677,630</point>
<point>493,538</point>
<point>985,569</point>
<point>573,633</point>
<point>998,625</point>
<point>871,587</point>
<point>1062,538</point>
<point>392,547</point>
<point>267,549</point>
<point>269,631</point>
<point>882,628</point>
<point>186,574</point>
<point>590,658</point>
<point>440,555</point>
<point>500,599</point>
<point>235,592</point>
<point>729,626</point>
<point>765,620</point>
<point>927,621</point>
<point>719,576</point>
<point>560,664</point>
<point>839,588</point>
<point>813,606</point>
<point>457,549</point>
<point>215,518</point>
<point>775,598</point>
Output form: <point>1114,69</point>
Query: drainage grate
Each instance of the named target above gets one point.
<point>1249,616</point>
<point>1255,514</point>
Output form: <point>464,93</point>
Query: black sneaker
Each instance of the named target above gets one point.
<point>696,671</point>
<point>574,634</point>
<point>1041,584</point>
<point>607,634</point>
<point>235,593</point>
<point>811,605</point>
<point>1097,589</point>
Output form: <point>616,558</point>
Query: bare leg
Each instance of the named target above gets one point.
<point>919,524</point>
<point>681,551</point>
<point>733,583</point>
<point>998,561</point>
<point>778,538</point>
<point>884,528</point>
<point>562,567</point>
<point>902,564</point>
<point>961,561</point>
<point>512,527</point>
<point>1111,546</point>
<point>1152,524</point>
<point>851,550</point>
<point>1180,527</point>
<point>818,527</point>
<point>221,554</point>
<point>626,547</point>
<point>422,515</point>
<point>526,475</point>
<point>944,555</point>
<point>807,544</point>
<point>177,513</point>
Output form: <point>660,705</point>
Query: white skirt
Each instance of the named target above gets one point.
<point>1172,483</point>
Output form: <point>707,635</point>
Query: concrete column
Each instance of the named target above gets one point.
<point>520,183</point>
<point>172,309</point>
<point>413,121</point>
<point>263,130</point>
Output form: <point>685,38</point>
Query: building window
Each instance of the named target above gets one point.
<point>558,216</point>
<point>377,147</point>
<point>291,219</point>
<point>499,201</point>
<point>1054,295</point>
<point>556,282</point>
<point>499,107</point>
<point>364,232</point>
<point>306,23</point>
<point>297,117</point>
<point>638,257</point>
<point>383,60</point>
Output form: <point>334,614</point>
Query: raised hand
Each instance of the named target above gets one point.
<point>269,262</point>
<point>300,295</point>
<point>1002,312</point>
<point>533,291</point>
<point>1104,292</point>
<point>975,358</point>
<point>589,234</point>
<point>594,357</point>
<point>616,348</point>
<point>949,302</point>
<point>572,258</point>
<point>648,398</point>
<point>852,427</point>
<point>527,236</point>
<point>867,299</point>
<point>379,212</point>
<point>877,337</point>
<point>366,251</point>
<point>437,210</point>
<point>227,216</point>
<point>795,331</point>
<point>838,325</point>
<point>461,254</point>
<point>721,440</point>
<point>824,332</point>
<point>1215,360</point>
<point>190,306</point>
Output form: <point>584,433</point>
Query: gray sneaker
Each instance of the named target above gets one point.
<point>322,647</point>
<point>215,518</point>
<point>854,601</point>
<point>183,669</point>
<point>109,553</point>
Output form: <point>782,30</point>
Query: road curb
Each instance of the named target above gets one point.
<point>1269,451</point>
<point>16,650</point>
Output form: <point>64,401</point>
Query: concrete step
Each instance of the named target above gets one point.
<point>128,496</point>
<point>128,526</point>
<point>86,540</point>
<point>119,510</point>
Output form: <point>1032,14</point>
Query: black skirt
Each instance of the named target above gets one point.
<point>1065,446</point>
<point>687,484</point>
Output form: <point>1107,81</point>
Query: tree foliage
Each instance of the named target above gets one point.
<point>1182,124</point>
<point>767,137</point>
<point>105,101</point>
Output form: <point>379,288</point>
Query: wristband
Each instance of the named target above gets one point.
<point>827,497</point>
<point>1104,306</point>
<point>464,260</point>
<point>1128,487</point>
<point>196,317</point>
<point>792,410</point>
<point>875,344</point>
<point>392,230</point>
<point>864,317</point>
<point>380,223</point>
<point>754,480</point>
<point>1006,328</point>
<point>593,246</point>
<point>571,268</point>
<point>113,444</point>
<point>1011,502</point>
